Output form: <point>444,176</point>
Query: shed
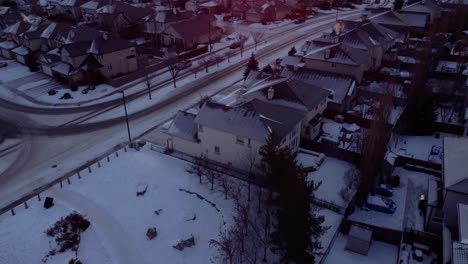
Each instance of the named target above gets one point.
<point>359,239</point>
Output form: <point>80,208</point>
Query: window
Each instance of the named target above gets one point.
<point>240,140</point>
<point>217,150</point>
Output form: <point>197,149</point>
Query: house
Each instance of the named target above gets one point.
<point>427,7</point>
<point>13,32</point>
<point>31,43</point>
<point>158,21</point>
<point>295,94</point>
<point>189,33</point>
<point>210,7</point>
<point>455,178</point>
<point>48,60</point>
<point>351,48</point>
<point>89,10</point>
<point>239,9</point>
<point>460,248</point>
<point>232,136</point>
<point>72,8</point>
<point>416,24</point>
<point>122,17</point>
<point>342,87</point>
<point>53,35</point>
<point>267,11</point>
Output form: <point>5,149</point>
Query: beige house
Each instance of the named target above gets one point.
<point>232,136</point>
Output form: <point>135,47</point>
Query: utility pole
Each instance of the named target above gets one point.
<point>126,116</point>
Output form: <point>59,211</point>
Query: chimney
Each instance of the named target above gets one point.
<point>423,2</point>
<point>271,93</point>
<point>327,54</point>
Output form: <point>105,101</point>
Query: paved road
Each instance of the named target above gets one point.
<point>69,147</point>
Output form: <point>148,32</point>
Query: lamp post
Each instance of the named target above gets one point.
<point>126,116</point>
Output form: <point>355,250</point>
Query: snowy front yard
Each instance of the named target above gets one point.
<point>175,203</point>
<point>427,148</point>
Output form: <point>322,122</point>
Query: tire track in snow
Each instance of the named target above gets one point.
<point>114,238</point>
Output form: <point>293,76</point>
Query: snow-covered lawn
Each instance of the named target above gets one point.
<point>119,219</point>
<point>419,147</point>
<point>13,71</point>
<point>100,91</point>
<point>412,186</point>
<point>331,173</point>
<point>10,148</point>
<point>333,221</point>
<point>379,252</point>
<point>334,132</point>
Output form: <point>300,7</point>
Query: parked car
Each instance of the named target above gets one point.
<point>300,20</point>
<point>3,64</point>
<point>384,190</point>
<point>183,64</point>
<point>381,204</point>
<point>235,45</point>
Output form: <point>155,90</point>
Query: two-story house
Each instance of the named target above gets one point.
<point>53,35</point>
<point>122,17</point>
<point>295,94</point>
<point>267,11</point>
<point>232,136</point>
<point>189,33</point>
<point>71,8</point>
<point>89,10</point>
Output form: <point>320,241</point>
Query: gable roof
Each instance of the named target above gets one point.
<point>184,126</point>
<point>291,93</point>
<point>81,33</point>
<point>90,64</point>
<point>95,4</point>
<point>254,119</point>
<point>340,84</point>
<point>107,43</point>
<point>72,2</point>
<point>455,167</point>
<point>54,29</point>
<point>17,28</point>
<point>76,49</point>
<point>338,53</point>
<point>34,32</point>
<point>192,28</point>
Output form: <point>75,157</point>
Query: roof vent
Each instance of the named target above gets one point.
<point>271,93</point>
<point>364,17</point>
<point>105,35</point>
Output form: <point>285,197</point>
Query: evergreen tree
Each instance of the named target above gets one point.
<point>292,51</point>
<point>298,227</point>
<point>251,65</point>
<point>268,69</point>
<point>398,4</point>
<point>422,114</point>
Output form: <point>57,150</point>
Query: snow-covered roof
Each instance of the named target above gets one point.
<point>21,50</point>
<point>184,126</point>
<point>455,167</point>
<point>447,66</point>
<point>338,83</point>
<point>210,4</point>
<point>8,45</point>
<point>254,119</point>
<point>360,232</point>
<point>463,223</point>
<point>62,68</point>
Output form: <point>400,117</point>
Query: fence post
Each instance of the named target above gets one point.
<point>125,149</point>
<point>26,205</point>
<point>68,180</point>
<point>12,211</point>
<point>89,169</point>
<point>79,176</point>
<point>116,153</point>
<point>61,186</point>
<point>99,164</point>
<point>39,197</point>
<point>108,159</point>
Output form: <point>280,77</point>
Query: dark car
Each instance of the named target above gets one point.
<point>381,204</point>
<point>235,45</point>
<point>300,20</point>
<point>3,64</point>
<point>384,190</point>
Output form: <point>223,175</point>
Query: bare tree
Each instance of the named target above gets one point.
<point>148,81</point>
<point>212,176</point>
<point>194,71</point>
<point>199,166</point>
<point>242,39</point>
<point>205,62</point>
<point>217,58</point>
<point>174,70</point>
<point>227,186</point>
<point>446,112</point>
<point>257,37</point>
<point>229,54</point>
<point>250,159</point>
<point>225,245</point>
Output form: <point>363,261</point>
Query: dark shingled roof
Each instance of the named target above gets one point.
<point>190,29</point>
<point>292,93</point>
<point>18,28</point>
<point>77,48</point>
<point>111,43</point>
<point>55,29</point>
<point>254,119</point>
<point>35,31</point>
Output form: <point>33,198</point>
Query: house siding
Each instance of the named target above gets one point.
<point>117,62</point>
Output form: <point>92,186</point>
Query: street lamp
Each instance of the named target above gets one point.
<point>126,116</point>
